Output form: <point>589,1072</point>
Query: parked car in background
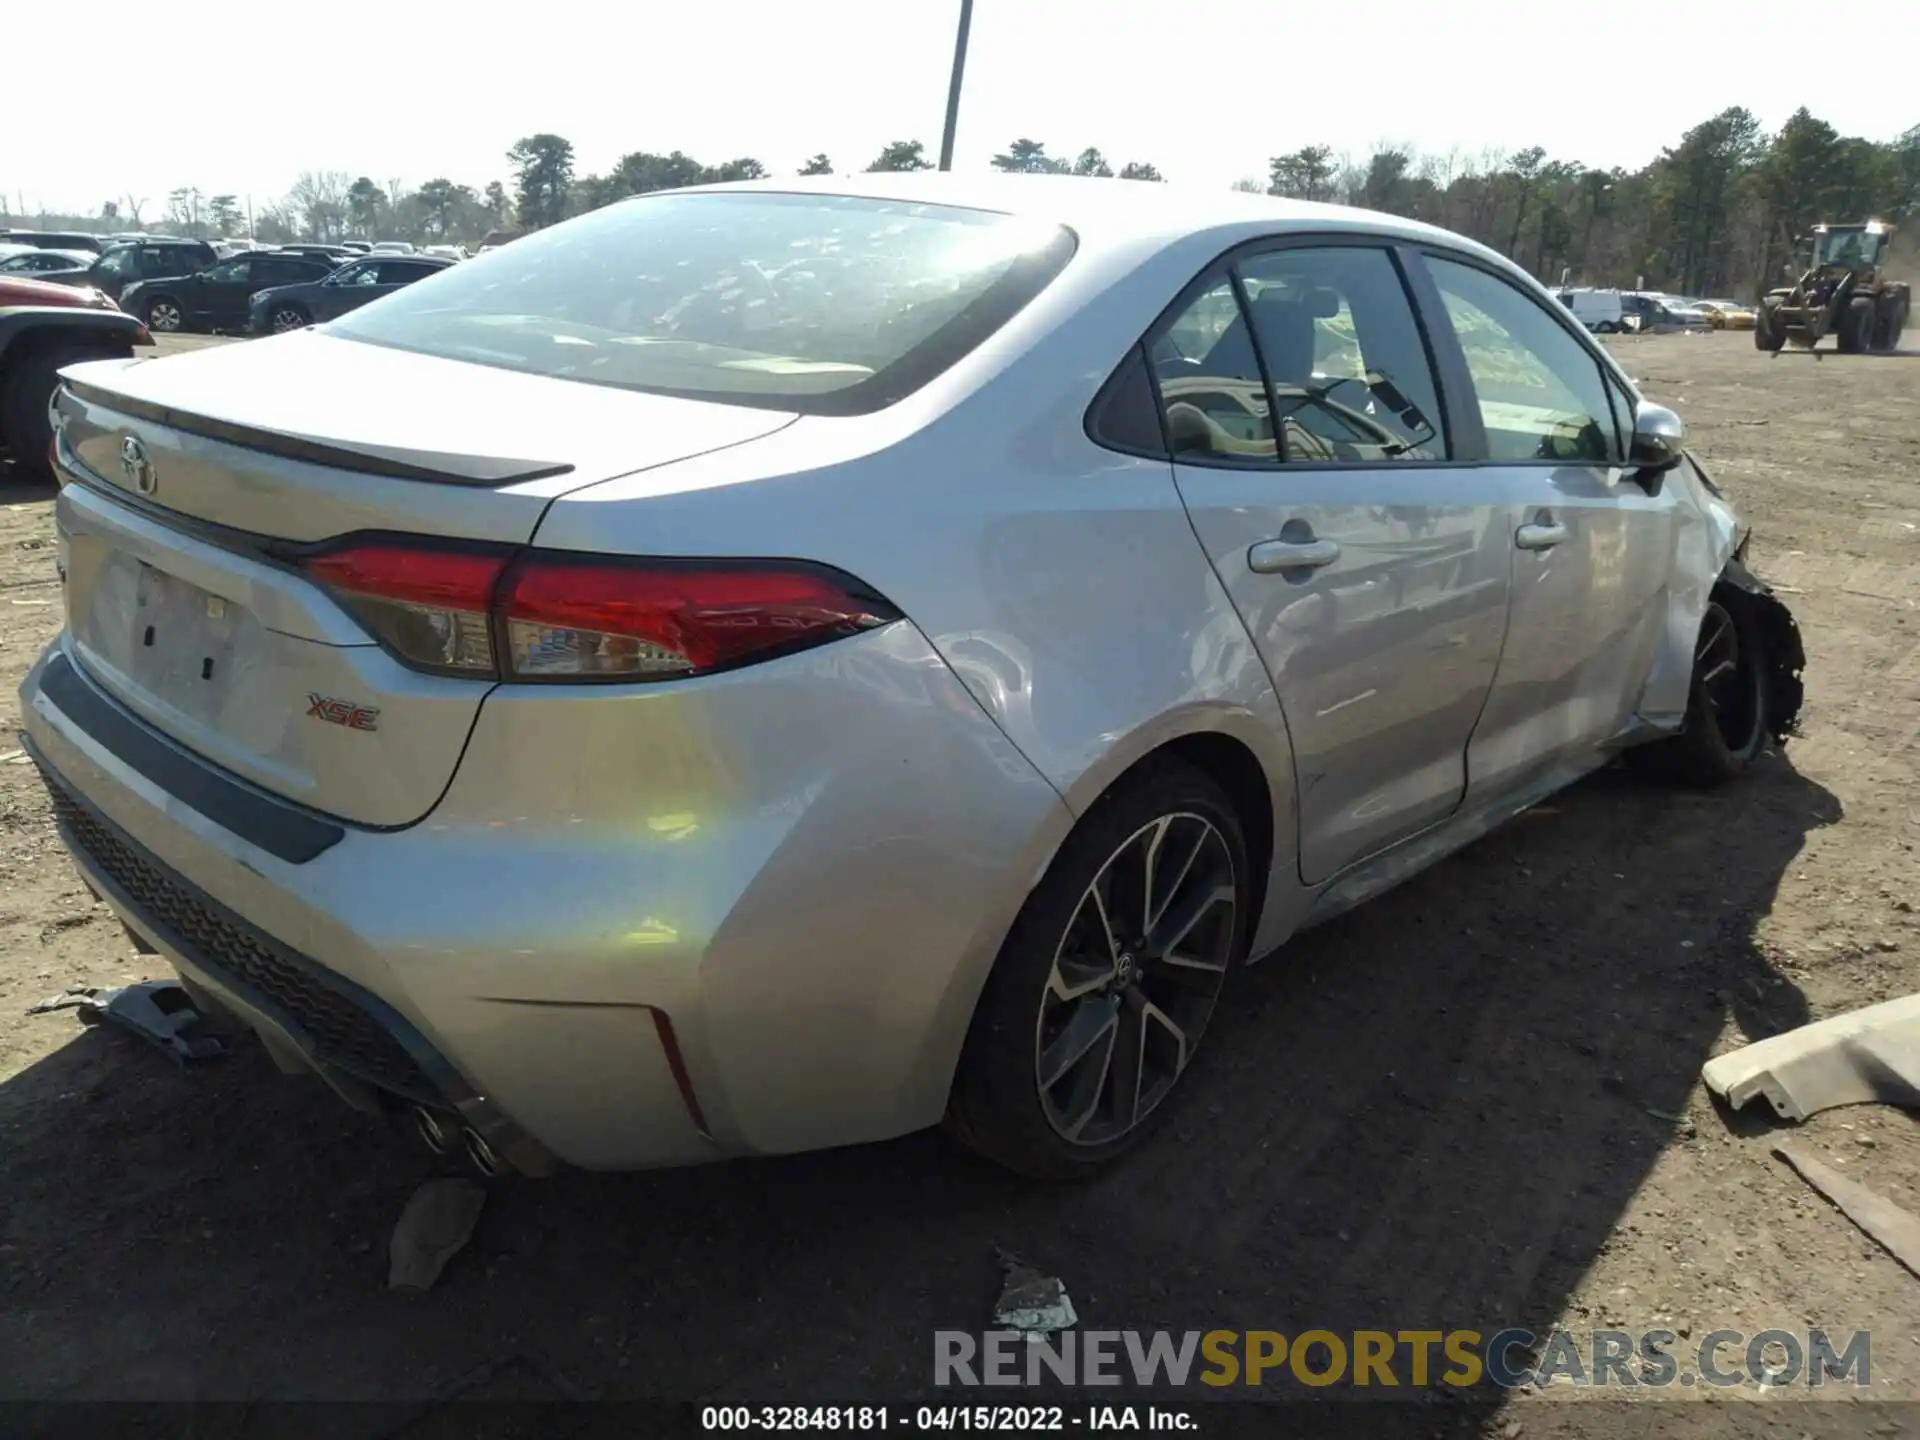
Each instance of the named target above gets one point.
<point>337,254</point>
<point>359,247</point>
<point>1649,312</point>
<point>215,298</point>
<point>311,302</point>
<point>46,264</point>
<point>54,239</point>
<point>612,715</point>
<point>392,247</point>
<point>127,264</point>
<point>42,328</point>
<point>1598,310</point>
<point>446,252</point>
<point>1729,314</point>
<point>495,239</point>
<point>1684,312</point>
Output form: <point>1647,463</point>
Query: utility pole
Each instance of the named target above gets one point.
<point>953,88</point>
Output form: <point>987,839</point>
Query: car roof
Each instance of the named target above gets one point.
<point>417,257</point>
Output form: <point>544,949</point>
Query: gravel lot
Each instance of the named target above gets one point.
<point>1473,1103</point>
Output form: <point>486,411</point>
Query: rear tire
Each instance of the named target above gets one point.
<point>1605,327</point>
<point>1768,332</point>
<point>164,316</point>
<point>1895,325</point>
<point>1725,730</point>
<point>26,391</point>
<point>288,317</point>
<point>1129,937</point>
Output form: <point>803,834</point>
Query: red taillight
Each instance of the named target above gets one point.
<point>460,579</point>
<point>558,616</point>
<point>431,605</point>
<point>566,616</point>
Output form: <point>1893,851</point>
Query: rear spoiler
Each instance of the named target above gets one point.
<point>434,467</point>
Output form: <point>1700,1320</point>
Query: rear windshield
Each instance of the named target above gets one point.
<point>825,304</point>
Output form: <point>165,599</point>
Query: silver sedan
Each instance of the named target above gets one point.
<point>775,666</point>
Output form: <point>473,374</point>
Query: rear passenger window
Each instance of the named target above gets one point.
<point>1541,393</point>
<point>1350,376</point>
<point>275,271</point>
<point>1213,397</point>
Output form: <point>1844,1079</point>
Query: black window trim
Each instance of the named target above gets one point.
<point>1453,382</point>
<point>1112,391</point>
<point>1603,363</point>
<point>1459,422</point>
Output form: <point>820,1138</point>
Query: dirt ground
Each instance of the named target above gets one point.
<point>1475,1102</point>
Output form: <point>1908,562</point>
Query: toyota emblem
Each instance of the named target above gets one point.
<point>133,460</point>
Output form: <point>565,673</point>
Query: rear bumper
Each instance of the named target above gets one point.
<point>361,1045</point>
<point>751,917</point>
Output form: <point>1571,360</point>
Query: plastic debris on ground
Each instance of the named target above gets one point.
<point>1897,1230</point>
<point>158,1011</point>
<point>435,1226</point>
<point>1030,1302</point>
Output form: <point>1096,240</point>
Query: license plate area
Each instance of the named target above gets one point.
<point>183,641</point>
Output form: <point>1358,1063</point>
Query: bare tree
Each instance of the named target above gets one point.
<point>319,199</point>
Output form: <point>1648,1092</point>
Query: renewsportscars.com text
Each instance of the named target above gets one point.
<point>1404,1358</point>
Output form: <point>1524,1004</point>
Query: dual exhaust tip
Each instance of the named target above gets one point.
<point>445,1135</point>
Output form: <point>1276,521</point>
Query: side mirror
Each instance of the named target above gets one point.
<point>1659,440</point>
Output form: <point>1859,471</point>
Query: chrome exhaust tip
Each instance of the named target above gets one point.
<point>439,1132</point>
<point>483,1156</point>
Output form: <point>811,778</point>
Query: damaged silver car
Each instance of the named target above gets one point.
<point>776,666</point>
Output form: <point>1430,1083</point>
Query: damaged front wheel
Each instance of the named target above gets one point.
<point>1727,724</point>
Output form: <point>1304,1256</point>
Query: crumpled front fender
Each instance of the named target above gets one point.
<point>1710,545</point>
<point>1786,655</point>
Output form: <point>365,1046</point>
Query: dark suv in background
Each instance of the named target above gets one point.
<point>130,263</point>
<point>348,288</point>
<point>215,298</point>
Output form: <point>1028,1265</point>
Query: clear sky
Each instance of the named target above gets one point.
<point>1205,89</point>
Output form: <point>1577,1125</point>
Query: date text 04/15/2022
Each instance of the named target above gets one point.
<point>921,1419</point>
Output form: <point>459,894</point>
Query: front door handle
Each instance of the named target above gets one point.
<point>1541,536</point>
<point>1270,557</point>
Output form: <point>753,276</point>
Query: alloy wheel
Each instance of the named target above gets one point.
<point>285,320</point>
<point>164,315</point>
<point>1135,979</point>
<point>1729,679</point>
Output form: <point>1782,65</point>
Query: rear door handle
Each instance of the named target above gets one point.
<point>1540,536</point>
<point>1270,557</point>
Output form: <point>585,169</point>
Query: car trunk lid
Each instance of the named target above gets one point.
<point>204,476</point>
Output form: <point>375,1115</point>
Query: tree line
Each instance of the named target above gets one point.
<point>546,188</point>
<point>1720,212</point>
